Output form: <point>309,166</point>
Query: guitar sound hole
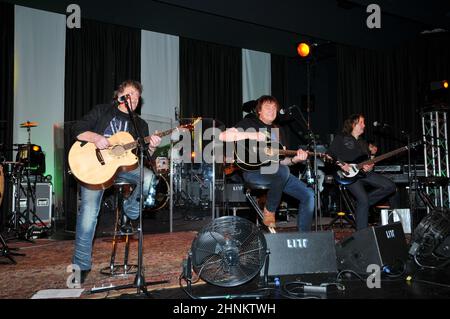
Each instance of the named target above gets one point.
<point>117,150</point>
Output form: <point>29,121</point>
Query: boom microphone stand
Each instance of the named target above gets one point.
<point>139,282</point>
<point>317,209</point>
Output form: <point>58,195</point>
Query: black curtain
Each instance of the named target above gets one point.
<point>6,96</point>
<point>289,85</point>
<point>391,86</point>
<point>99,56</point>
<point>210,81</point>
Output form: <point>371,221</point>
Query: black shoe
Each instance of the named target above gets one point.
<point>83,276</point>
<point>125,225</point>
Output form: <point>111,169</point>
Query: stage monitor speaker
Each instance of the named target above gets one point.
<point>44,202</point>
<point>381,245</point>
<point>389,216</point>
<point>296,253</point>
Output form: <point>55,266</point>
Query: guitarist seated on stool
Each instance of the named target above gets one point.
<point>100,123</point>
<point>349,147</point>
<point>281,180</point>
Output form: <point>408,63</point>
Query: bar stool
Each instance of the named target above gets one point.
<point>120,188</point>
<point>249,187</point>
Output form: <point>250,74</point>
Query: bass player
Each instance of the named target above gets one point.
<point>349,147</point>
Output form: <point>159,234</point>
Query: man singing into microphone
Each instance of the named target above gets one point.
<point>349,147</point>
<point>102,122</point>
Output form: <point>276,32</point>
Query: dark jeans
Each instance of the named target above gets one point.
<point>283,181</point>
<point>381,188</point>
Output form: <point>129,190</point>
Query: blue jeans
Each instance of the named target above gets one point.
<point>282,181</point>
<point>90,207</point>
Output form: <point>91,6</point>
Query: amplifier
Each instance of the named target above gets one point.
<point>295,253</point>
<point>233,193</point>
<point>44,202</point>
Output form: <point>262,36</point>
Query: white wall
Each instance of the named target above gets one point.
<point>160,77</point>
<point>39,45</point>
<point>256,74</point>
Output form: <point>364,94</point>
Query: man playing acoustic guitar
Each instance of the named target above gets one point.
<point>281,180</point>
<point>102,122</point>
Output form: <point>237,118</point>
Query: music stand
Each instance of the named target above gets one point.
<point>139,282</point>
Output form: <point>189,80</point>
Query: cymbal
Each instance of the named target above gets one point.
<point>29,124</point>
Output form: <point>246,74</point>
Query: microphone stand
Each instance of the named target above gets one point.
<point>317,208</point>
<point>139,281</point>
<point>412,202</point>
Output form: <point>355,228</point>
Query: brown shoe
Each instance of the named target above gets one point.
<point>269,218</point>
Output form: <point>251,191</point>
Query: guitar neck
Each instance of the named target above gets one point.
<point>133,145</point>
<point>294,153</point>
<point>382,157</point>
<point>287,152</point>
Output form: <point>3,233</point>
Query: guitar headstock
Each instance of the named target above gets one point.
<point>189,127</point>
<point>415,144</point>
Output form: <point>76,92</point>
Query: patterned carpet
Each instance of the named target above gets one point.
<point>45,263</point>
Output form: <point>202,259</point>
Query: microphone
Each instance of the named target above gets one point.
<point>288,110</point>
<point>379,124</point>
<point>177,117</point>
<point>123,98</point>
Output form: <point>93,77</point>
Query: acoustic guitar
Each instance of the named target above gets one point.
<point>97,168</point>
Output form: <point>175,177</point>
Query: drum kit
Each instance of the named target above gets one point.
<point>192,182</point>
<point>19,178</point>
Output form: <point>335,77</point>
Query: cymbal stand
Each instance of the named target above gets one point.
<point>17,221</point>
<point>30,191</point>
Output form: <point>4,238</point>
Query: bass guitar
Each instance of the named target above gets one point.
<point>355,171</point>
<point>97,168</point>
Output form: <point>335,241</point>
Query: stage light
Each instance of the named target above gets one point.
<point>437,85</point>
<point>303,49</point>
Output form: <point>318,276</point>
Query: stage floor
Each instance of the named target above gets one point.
<point>44,266</point>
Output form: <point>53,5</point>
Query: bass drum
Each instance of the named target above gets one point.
<point>161,195</point>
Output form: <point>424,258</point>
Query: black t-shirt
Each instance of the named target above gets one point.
<point>258,125</point>
<point>349,149</point>
<point>119,123</point>
<point>99,118</point>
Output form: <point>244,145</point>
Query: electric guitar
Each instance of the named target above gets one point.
<point>347,178</point>
<point>97,168</point>
<point>249,156</point>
